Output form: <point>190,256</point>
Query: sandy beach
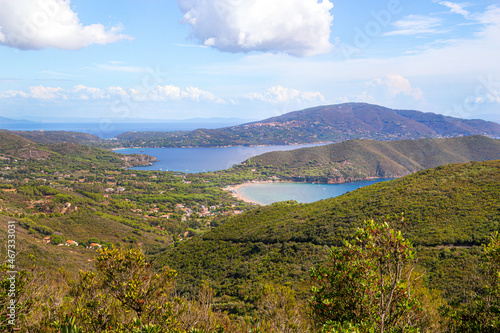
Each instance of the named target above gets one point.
<point>233,189</point>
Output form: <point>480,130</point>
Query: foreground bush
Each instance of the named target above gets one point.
<point>367,284</point>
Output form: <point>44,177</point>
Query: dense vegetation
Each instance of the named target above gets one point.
<point>369,284</point>
<point>449,212</point>
<point>329,123</point>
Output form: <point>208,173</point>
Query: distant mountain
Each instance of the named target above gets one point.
<point>322,124</point>
<point>360,159</point>
<point>4,120</point>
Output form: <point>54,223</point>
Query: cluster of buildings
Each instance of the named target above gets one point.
<point>69,242</point>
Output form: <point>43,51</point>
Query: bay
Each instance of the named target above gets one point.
<point>267,193</point>
<point>194,160</point>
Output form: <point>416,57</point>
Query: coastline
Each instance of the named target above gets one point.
<point>319,143</point>
<point>233,189</point>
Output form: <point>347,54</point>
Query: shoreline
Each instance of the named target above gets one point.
<point>231,146</point>
<point>233,190</point>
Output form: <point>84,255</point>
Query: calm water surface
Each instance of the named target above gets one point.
<point>193,160</point>
<point>267,193</point>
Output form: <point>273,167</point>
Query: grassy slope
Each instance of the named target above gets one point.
<point>450,205</point>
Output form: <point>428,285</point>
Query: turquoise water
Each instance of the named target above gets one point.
<point>193,160</point>
<point>267,193</point>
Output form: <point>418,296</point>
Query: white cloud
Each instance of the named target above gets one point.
<point>296,27</point>
<point>115,91</point>
<point>197,94</point>
<point>455,8</point>
<point>280,94</point>
<point>396,84</point>
<point>12,94</point>
<point>168,92</point>
<point>81,92</point>
<point>41,24</point>
<point>415,25</point>
<point>41,92</point>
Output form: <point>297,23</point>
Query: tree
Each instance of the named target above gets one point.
<point>125,281</point>
<point>366,285</point>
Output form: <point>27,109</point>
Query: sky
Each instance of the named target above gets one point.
<point>87,60</point>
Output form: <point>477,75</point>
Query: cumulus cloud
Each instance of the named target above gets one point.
<point>296,27</point>
<point>280,94</point>
<point>41,24</point>
<point>41,92</point>
<point>196,94</point>
<point>397,84</point>
<point>84,93</point>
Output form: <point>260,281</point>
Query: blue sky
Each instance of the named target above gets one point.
<point>251,59</point>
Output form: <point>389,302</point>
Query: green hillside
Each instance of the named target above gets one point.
<point>450,207</point>
<point>69,154</point>
<point>359,159</point>
<point>68,191</point>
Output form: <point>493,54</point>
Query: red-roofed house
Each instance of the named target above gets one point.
<point>70,242</point>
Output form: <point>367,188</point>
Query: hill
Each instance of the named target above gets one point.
<point>15,146</point>
<point>65,191</point>
<point>360,159</point>
<point>321,124</point>
<point>449,210</point>
<point>46,137</point>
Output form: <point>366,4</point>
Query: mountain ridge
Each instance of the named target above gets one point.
<point>321,124</point>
